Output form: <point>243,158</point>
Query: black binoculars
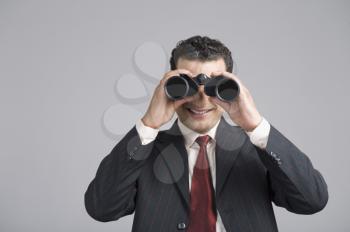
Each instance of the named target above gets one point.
<point>224,88</point>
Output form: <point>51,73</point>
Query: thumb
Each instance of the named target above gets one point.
<point>216,101</point>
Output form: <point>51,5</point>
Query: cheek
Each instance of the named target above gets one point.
<point>182,111</point>
<point>219,109</point>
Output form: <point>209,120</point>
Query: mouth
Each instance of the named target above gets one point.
<point>199,113</point>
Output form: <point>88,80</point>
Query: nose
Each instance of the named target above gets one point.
<point>201,79</point>
<point>200,95</point>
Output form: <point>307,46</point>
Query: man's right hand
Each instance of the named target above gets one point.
<point>161,109</point>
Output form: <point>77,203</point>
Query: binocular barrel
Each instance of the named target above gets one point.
<point>178,87</point>
<point>224,88</point>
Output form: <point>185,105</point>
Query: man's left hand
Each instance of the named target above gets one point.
<point>242,110</point>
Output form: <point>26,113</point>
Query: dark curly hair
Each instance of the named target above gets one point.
<point>201,48</point>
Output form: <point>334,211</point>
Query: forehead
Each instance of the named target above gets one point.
<point>197,66</point>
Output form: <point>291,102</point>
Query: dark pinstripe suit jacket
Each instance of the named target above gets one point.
<point>152,181</point>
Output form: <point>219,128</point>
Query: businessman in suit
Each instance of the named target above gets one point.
<point>204,174</point>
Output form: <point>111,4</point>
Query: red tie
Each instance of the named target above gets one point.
<point>203,209</point>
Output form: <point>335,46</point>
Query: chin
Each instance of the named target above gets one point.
<point>194,127</point>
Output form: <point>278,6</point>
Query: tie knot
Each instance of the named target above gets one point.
<point>203,140</point>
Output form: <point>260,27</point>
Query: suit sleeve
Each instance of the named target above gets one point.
<point>111,194</point>
<point>294,183</point>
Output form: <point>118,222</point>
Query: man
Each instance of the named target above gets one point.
<point>204,174</point>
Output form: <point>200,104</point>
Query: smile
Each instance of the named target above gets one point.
<point>198,113</point>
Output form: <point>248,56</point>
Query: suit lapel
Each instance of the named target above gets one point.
<point>176,159</point>
<point>229,140</point>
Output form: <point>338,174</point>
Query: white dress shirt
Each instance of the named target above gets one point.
<point>258,137</point>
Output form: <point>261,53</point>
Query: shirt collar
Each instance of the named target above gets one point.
<point>190,136</point>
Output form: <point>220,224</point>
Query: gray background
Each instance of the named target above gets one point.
<point>60,62</point>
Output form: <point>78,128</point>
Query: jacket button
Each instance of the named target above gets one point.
<point>131,154</point>
<point>181,226</point>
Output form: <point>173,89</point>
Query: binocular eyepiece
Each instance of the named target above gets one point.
<point>179,87</point>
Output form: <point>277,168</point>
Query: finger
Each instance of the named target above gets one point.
<point>216,73</point>
<point>223,104</point>
<point>184,71</point>
<point>180,102</point>
<point>176,72</point>
<point>229,75</point>
<point>234,77</point>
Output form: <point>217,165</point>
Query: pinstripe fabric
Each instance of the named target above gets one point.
<point>152,182</point>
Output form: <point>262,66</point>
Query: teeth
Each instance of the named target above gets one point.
<point>199,112</point>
